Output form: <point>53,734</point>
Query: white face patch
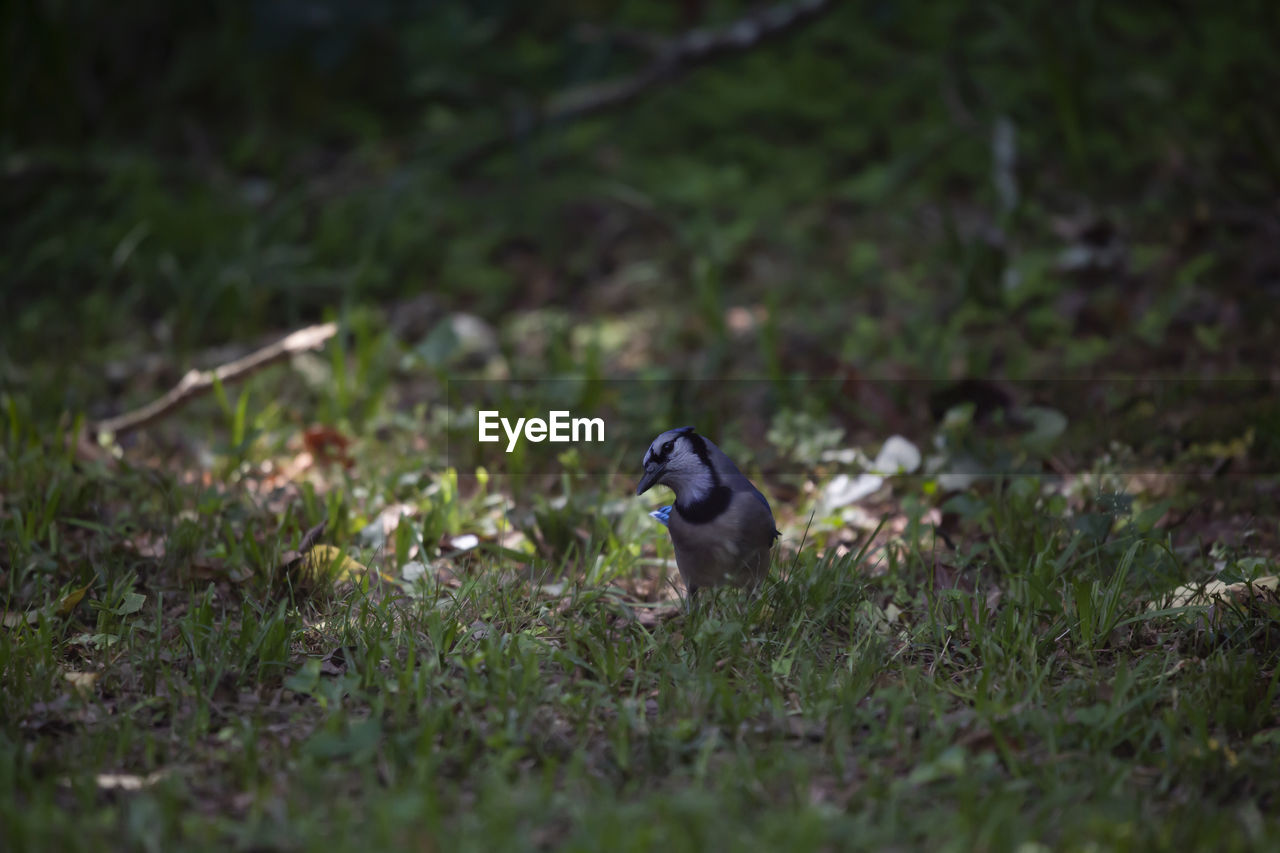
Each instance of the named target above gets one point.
<point>687,477</point>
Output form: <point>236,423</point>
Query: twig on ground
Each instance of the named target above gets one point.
<point>671,57</point>
<point>198,382</point>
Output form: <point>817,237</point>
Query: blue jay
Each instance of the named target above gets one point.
<point>721,526</point>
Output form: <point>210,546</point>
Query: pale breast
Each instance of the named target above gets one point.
<point>732,548</point>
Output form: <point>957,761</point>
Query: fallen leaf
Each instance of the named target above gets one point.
<point>326,444</point>
<point>465,542</point>
<point>132,603</point>
<point>1218,601</point>
<point>1046,425</point>
<point>312,536</point>
<point>413,570</point>
<point>844,490</point>
<point>128,781</point>
<point>96,640</point>
<point>72,599</point>
<point>334,663</point>
<point>205,567</point>
<point>1194,595</point>
<point>12,619</point>
<point>293,469</point>
<point>328,562</point>
<point>82,681</point>
<point>148,545</point>
<point>290,559</point>
<point>375,533</point>
<point>896,456</point>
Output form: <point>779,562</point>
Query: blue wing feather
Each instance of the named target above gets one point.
<point>760,497</point>
<point>663,514</point>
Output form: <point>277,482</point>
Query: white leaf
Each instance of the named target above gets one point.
<point>128,781</point>
<point>413,570</point>
<point>897,456</point>
<point>844,490</point>
<point>465,542</point>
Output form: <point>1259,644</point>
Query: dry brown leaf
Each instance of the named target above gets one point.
<point>312,536</point>
<point>290,559</point>
<point>214,568</point>
<point>334,663</point>
<point>326,444</point>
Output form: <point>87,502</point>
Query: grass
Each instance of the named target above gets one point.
<point>487,651</point>
<point>204,694</point>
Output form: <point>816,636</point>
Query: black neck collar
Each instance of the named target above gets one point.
<point>707,507</point>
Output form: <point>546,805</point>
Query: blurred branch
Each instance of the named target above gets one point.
<point>198,382</point>
<point>670,59</point>
<point>650,43</point>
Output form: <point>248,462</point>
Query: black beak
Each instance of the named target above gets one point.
<point>650,477</point>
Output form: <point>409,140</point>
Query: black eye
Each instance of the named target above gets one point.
<point>666,447</point>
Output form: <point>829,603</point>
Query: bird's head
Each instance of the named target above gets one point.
<point>676,459</point>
